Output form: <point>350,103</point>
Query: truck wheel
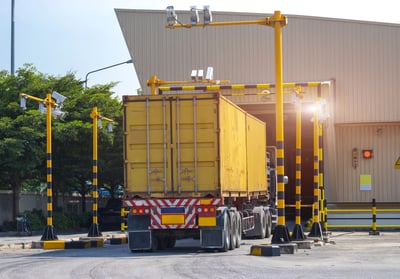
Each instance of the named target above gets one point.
<point>226,233</point>
<point>234,230</point>
<point>154,244</point>
<point>263,225</point>
<point>162,243</point>
<point>268,230</point>
<point>238,229</point>
<point>171,242</point>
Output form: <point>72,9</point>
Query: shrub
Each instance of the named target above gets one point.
<point>36,219</point>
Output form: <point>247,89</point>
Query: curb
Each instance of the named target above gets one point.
<point>21,245</point>
<point>68,244</point>
<point>119,240</point>
<point>265,250</point>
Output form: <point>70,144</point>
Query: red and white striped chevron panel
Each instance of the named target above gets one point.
<point>188,207</point>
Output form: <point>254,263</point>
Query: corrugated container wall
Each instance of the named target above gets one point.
<point>362,58</point>
<point>192,146</point>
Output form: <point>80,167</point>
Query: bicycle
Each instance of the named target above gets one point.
<point>23,225</point>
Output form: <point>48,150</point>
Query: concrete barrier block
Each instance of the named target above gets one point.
<point>265,250</point>
<point>119,240</point>
<point>54,244</point>
<point>288,248</point>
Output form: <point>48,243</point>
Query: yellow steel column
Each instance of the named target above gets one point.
<point>298,233</point>
<point>281,233</point>
<point>322,200</point>
<point>48,233</point>
<point>316,230</point>
<point>94,229</point>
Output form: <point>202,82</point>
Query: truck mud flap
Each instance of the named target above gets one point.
<point>212,238</point>
<point>139,240</point>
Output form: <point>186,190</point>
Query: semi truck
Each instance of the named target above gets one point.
<point>195,166</point>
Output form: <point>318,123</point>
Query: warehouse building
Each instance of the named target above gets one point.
<point>355,67</point>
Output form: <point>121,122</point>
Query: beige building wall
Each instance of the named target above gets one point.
<point>362,58</point>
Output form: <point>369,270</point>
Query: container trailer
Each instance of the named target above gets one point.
<point>195,166</point>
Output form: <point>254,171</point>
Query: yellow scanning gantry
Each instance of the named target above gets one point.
<point>277,21</point>
<point>155,83</point>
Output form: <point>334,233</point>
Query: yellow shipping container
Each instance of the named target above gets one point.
<point>192,145</point>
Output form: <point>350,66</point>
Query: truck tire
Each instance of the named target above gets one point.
<point>226,233</point>
<point>239,229</point>
<point>154,244</point>
<point>234,230</point>
<point>262,223</point>
<point>268,230</point>
<point>171,240</point>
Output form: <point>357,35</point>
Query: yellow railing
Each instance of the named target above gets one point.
<point>349,215</point>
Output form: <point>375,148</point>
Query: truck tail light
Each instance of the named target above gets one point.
<point>140,211</point>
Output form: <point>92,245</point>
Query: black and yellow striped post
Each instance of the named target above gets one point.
<point>298,233</point>
<point>316,230</point>
<point>374,231</point>
<point>322,200</point>
<point>281,233</point>
<point>49,233</point>
<point>94,229</point>
<point>49,103</point>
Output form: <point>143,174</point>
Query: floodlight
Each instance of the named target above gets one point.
<point>200,74</point>
<point>109,127</point>
<point>171,16</point>
<point>207,15</point>
<point>58,114</point>
<point>42,108</point>
<point>194,15</point>
<point>99,123</point>
<point>210,73</point>
<point>193,75</point>
<point>23,102</point>
<point>58,97</point>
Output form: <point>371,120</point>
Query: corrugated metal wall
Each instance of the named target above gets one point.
<point>385,142</point>
<point>362,57</point>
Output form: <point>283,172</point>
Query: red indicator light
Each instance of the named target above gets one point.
<point>367,153</point>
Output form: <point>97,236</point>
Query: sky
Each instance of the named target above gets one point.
<point>79,36</point>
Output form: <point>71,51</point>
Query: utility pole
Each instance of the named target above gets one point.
<point>12,36</point>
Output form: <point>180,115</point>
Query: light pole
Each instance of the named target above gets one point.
<point>318,118</point>
<point>105,68</point>
<point>49,103</point>
<point>94,229</point>
<point>12,36</point>
<point>298,233</point>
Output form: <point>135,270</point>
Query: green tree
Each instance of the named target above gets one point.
<point>23,134</point>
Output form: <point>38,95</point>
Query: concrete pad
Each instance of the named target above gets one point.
<point>288,248</point>
<point>265,250</point>
<point>315,239</point>
<point>304,244</point>
<point>119,240</point>
<point>118,235</point>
